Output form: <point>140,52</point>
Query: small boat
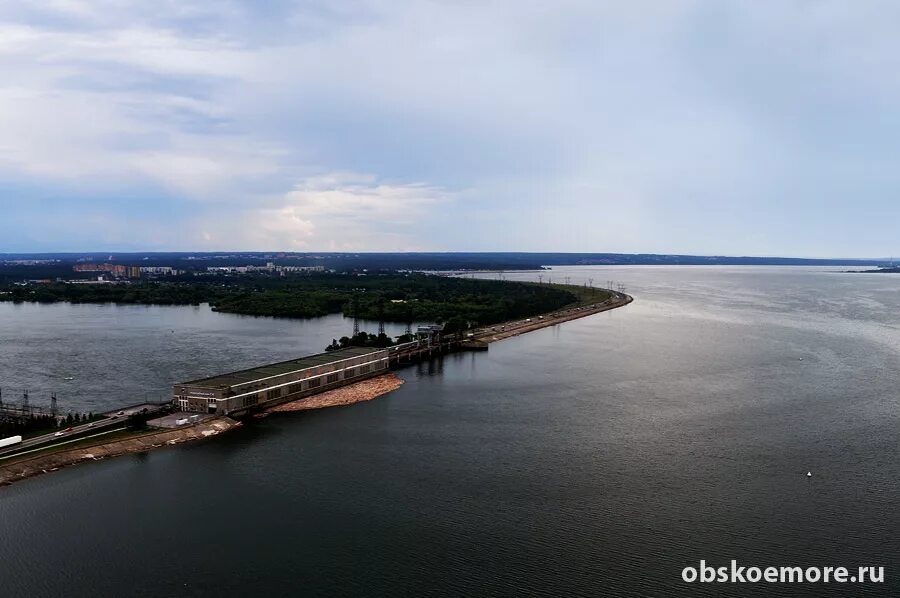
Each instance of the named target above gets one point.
<point>809,474</point>
<point>69,378</point>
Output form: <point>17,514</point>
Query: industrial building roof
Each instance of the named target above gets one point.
<point>276,369</point>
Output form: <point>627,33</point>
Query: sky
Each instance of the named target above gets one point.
<point>694,127</point>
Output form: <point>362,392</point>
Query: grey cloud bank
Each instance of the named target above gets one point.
<point>688,127</point>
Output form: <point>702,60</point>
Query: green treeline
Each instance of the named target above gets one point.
<point>398,297</point>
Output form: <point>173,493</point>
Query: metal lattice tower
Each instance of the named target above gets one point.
<point>53,408</point>
<point>353,305</point>
<point>381,316</point>
<point>408,320</point>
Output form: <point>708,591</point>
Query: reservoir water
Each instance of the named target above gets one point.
<point>595,458</point>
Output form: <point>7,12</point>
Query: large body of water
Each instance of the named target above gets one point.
<point>595,458</point>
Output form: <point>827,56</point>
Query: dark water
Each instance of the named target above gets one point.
<point>131,354</point>
<point>596,458</point>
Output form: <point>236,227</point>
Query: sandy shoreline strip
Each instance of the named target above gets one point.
<point>364,390</point>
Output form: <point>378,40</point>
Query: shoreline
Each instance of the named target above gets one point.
<point>29,467</point>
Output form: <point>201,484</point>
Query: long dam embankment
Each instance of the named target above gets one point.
<point>504,330</point>
<point>18,468</point>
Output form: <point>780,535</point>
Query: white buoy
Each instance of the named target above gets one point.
<point>801,359</point>
<point>809,474</point>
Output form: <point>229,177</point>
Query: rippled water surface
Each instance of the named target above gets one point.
<point>595,458</point>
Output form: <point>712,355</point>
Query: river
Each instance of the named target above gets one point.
<point>596,458</point>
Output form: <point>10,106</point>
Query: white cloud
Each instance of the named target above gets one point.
<point>642,114</point>
<point>338,211</point>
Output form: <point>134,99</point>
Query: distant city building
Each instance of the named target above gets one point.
<point>28,262</point>
<point>114,269</point>
<point>158,270</point>
<point>269,267</point>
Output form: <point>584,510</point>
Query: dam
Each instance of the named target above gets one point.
<point>236,393</point>
<point>240,392</point>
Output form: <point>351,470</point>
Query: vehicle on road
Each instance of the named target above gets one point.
<point>10,441</point>
<point>60,433</point>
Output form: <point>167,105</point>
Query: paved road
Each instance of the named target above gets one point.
<point>514,327</point>
<point>51,438</point>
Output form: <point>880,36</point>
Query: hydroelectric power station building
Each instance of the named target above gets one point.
<point>265,386</point>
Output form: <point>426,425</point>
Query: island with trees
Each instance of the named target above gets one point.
<point>456,302</point>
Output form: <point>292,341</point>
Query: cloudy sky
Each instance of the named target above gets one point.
<point>764,128</point>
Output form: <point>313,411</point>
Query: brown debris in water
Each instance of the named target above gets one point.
<point>365,390</point>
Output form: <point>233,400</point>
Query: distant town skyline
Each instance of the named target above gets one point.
<point>696,128</point>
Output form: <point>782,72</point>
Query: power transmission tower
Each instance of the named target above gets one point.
<point>381,316</point>
<point>354,303</point>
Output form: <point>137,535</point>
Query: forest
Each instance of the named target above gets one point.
<point>398,297</point>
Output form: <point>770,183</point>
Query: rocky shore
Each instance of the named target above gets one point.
<point>26,468</point>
